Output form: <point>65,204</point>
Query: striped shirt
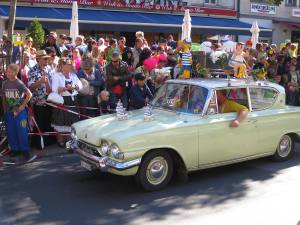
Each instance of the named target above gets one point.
<point>186,58</point>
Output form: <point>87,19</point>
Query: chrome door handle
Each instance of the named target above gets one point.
<point>252,121</point>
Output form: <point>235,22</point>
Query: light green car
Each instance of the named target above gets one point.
<point>188,133</point>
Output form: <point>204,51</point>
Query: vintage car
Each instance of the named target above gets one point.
<point>188,132</point>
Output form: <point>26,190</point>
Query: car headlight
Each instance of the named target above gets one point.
<point>116,153</point>
<point>105,148</point>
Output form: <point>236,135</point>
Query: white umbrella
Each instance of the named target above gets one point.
<point>255,33</point>
<point>186,26</point>
<point>74,30</point>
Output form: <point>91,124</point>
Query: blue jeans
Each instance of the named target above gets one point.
<point>17,131</point>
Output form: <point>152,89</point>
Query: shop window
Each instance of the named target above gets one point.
<point>212,2</point>
<point>291,2</point>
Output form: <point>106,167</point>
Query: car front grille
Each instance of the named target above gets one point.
<point>88,148</point>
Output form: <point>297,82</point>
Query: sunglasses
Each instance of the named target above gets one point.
<point>170,54</point>
<point>115,61</point>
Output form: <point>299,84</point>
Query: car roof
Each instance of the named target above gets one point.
<point>215,83</point>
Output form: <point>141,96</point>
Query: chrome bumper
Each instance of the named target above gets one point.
<point>104,162</point>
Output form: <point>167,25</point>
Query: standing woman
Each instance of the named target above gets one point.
<point>93,82</point>
<point>67,84</point>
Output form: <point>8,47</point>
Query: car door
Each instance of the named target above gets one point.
<point>218,142</point>
<point>267,120</point>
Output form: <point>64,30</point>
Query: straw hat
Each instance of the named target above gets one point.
<point>41,54</point>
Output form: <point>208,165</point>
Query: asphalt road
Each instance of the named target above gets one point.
<point>56,190</point>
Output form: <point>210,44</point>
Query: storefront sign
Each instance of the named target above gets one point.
<point>142,6</point>
<point>296,13</point>
<point>264,9</point>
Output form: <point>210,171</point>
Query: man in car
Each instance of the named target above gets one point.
<point>227,106</point>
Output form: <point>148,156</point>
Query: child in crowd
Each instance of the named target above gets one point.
<point>76,59</point>
<point>15,98</point>
<point>293,86</point>
<point>106,107</point>
<point>140,94</point>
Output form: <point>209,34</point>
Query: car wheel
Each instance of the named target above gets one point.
<point>285,148</point>
<point>155,171</point>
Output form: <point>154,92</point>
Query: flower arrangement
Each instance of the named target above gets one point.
<point>259,73</point>
<point>201,71</point>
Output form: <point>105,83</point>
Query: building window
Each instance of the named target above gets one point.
<point>212,2</point>
<point>290,2</point>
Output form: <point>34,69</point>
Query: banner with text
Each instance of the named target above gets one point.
<point>143,5</point>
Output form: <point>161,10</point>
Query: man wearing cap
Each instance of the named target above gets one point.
<point>51,42</point>
<point>117,76</point>
<point>39,85</point>
<point>140,93</point>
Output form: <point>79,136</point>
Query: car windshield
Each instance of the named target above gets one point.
<point>181,98</point>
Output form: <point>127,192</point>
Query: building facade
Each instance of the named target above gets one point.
<point>284,20</point>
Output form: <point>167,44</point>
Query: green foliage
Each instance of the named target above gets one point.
<point>37,33</point>
<point>222,61</point>
<point>275,2</point>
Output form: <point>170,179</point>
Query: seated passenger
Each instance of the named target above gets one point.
<point>227,106</point>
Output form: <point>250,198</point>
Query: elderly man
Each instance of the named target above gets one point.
<point>51,42</point>
<point>79,44</point>
<point>39,84</point>
<point>227,106</point>
<point>117,76</point>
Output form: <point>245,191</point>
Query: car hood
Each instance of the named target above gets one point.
<point>109,128</point>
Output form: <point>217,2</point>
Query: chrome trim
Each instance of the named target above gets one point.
<point>120,166</point>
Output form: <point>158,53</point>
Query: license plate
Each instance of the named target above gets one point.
<point>86,165</point>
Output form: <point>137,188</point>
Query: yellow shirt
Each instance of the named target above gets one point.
<point>232,106</point>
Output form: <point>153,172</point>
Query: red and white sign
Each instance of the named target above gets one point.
<point>296,13</point>
<point>141,6</point>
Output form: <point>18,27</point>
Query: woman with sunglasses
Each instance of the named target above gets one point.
<point>67,84</point>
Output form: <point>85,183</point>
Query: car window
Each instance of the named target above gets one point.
<point>228,100</point>
<point>172,97</point>
<point>238,95</point>
<point>262,98</point>
<point>181,98</point>
<point>197,99</point>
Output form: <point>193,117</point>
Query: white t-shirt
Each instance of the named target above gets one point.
<point>59,80</point>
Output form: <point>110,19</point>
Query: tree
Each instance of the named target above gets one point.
<point>11,25</point>
<point>37,33</point>
<point>275,2</point>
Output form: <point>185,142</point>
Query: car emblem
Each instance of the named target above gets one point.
<point>85,136</point>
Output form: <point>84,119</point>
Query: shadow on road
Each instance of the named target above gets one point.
<point>59,191</point>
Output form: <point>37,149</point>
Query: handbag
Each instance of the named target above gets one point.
<point>55,98</point>
<point>85,87</point>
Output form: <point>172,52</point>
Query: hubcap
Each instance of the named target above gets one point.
<point>285,146</point>
<point>157,170</point>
